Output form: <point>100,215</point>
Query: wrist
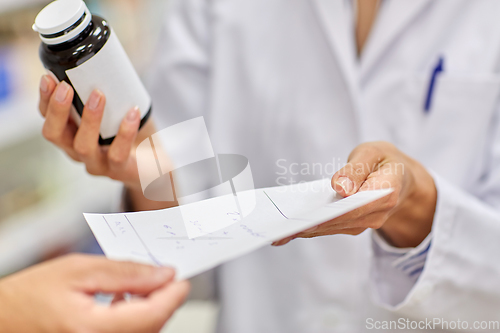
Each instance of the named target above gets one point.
<point>412,222</point>
<point>134,200</point>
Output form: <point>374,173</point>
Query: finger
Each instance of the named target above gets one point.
<point>47,86</point>
<point>101,275</point>
<point>119,151</point>
<point>339,223</point>
<point>148,314</point>
<point>372,215</point>
<point>381,206</point>
<point>373,220</point>
<point>129,278</point>
<point>289,239</point>
<point>284,241</point>
<point>359,220</point>
<point>57,115</point>
<point>67,140</point>
<point>383,178</point>
<point>351,231</point>
<point>326,232</point>
<point>363,161</point>
<point>86,143</point>
<point>343,231</point>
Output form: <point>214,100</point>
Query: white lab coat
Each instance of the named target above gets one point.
<point>279,82</point>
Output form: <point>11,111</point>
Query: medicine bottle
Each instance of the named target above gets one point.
<point>83,50</point>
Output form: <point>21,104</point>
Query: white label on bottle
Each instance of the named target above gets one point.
<point>112,72</point>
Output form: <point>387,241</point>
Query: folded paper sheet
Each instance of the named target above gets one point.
<point>196,237</point>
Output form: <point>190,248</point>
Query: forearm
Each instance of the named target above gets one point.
<point>135,201</point>
<point>134,198</point>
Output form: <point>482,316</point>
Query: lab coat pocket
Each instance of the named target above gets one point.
<point>458,122</point>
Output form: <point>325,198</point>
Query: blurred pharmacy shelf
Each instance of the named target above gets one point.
<point>19,121</point>
<point>55,223</point>
<point>10,5</point>
<point>57,191</point>
<point>44,192</point>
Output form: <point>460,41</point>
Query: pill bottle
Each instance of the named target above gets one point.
<point>83,50</point>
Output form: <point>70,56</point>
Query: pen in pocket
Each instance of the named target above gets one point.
<point>439,68</point>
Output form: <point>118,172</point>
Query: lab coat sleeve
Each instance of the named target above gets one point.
<point>461,277</point>
<point>179,75</point>
<point>395,270</point>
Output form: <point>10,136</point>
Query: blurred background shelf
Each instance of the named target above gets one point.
<point>10,5</point>
<point>54,224</point>
<point>17,125</point>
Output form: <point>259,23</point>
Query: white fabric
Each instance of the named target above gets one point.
<point>279,82</point>
<point>395,270</point>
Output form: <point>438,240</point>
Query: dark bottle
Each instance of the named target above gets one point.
<point>83,50</point>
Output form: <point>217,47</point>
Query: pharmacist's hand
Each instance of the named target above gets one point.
<point>82,143</point>
<point>58,296</point>
<point>404,217</point>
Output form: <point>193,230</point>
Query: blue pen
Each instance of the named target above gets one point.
<point>437,70</point>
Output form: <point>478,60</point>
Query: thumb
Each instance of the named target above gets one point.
<point>102,275</point>
<point>147,314</point>
<point>363,160</point>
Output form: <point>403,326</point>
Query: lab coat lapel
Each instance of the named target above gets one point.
<point>336,18</point>
<point>391,22</point>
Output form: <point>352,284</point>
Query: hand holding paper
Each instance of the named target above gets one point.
<point>404,217</point>
<point>166,237</point>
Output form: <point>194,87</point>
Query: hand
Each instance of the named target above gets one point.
<point>58,296</point>
<point>404,218</point>
<point>81,143</point>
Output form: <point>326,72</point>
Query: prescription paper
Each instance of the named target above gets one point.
<point>166,237</point>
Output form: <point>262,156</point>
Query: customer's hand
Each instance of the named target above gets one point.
<point>404,217</point>
<point>58,296</point>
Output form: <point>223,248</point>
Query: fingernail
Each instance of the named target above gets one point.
<point>44,84</point>
<point>164,273</point>
<point>94,100</point>
<point>62,92</point>
<point>346,184</point>
<point>133,115</point>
